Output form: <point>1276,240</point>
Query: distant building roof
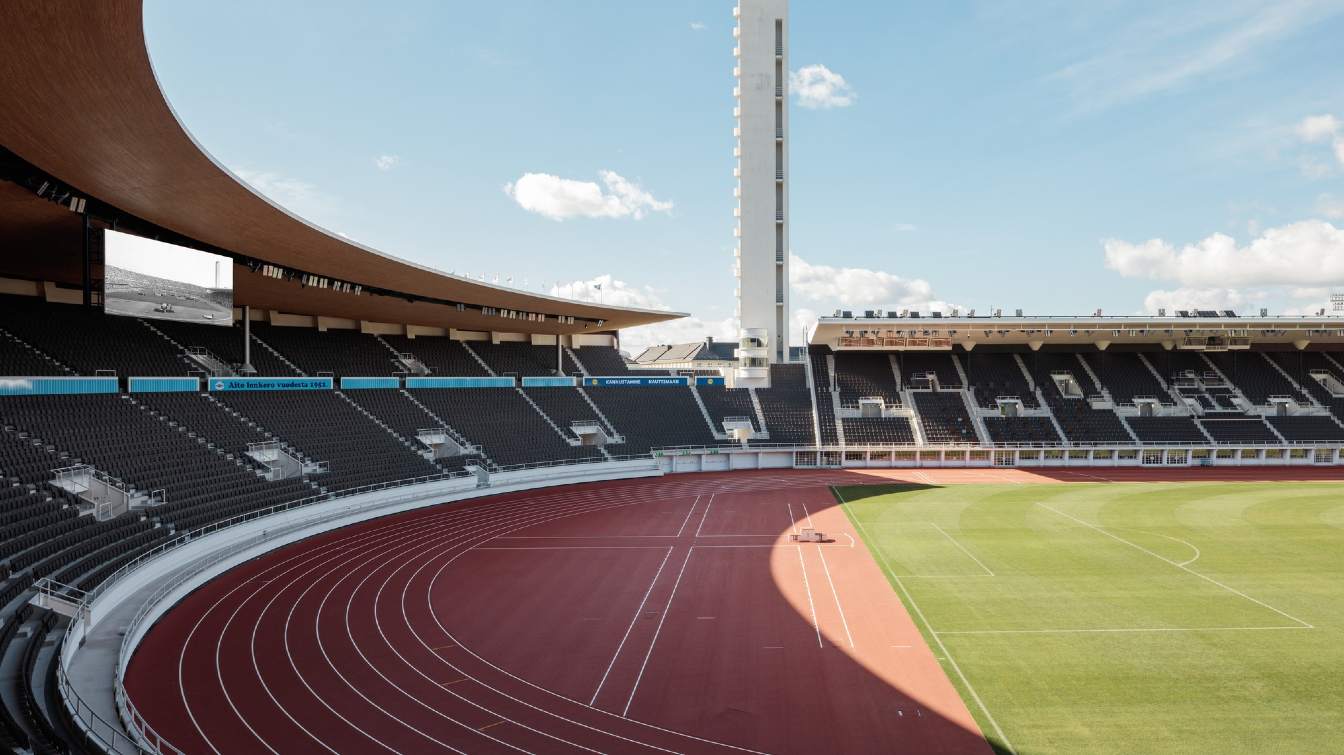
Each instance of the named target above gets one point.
<point>707,350</point>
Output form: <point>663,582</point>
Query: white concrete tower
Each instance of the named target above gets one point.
<point>762,171</point>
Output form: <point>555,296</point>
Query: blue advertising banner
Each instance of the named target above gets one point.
<point>270,384</point>
<point>39,386</point>
<point>356,383</point>
<point>549,382</point>
<point>624,380</point>
<point>164,384</point>
<point>707,380</point>
<point>460,382</point>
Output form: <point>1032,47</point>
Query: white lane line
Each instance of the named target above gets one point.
<point>568,547</point>
<point>659,630</point>
<point>808,586</point>
<point>1182,567</point>
<point>843,621</point>
<point>705,515</point>
<point>1003,738</point>
<point>633,619</point>
<point>851,538</point>
<point>807,514</point>
<point>988,572</point>
<point>689,511</point>
<point>1117,630</point>
<point>793,524</point>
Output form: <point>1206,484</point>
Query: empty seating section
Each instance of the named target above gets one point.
<point>1255,376</point>
<point>787,405</point>
<point>1080,422</point>
<point>335,352</point>
<point>943,417</point>
<point>91,341</point>
<point>443,356</point>
<point>916,363</point>
<point>325,427</point>
<point>653,417</point>
<point>1035,431</point>
<point>19,358</point>
<point>1301,364</point>
<point>821,380</point>
<point>565,406</point>
<point>1239,431</point>
<point>1166,430</point>
<point>199,412</point>
<point>1126,376</point>
<point>997,375</point>
<point>860,431</point>
<point>1307,428</point>
<point>506,427</point>
<point>226,344</point>
<point>603,360</point>
<point>522,359</point>
<point>864,375</point>
<point>723,402</point>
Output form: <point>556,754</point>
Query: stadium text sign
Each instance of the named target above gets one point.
<point>270,384</point>
<point>651,380</point>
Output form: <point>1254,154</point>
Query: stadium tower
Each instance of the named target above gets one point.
<point>762,171</point>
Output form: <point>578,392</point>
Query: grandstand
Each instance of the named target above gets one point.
<point>348,383</point>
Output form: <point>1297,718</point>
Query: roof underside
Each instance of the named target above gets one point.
<point>81,103</point>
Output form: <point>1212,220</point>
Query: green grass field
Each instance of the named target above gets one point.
<point>1127,617</point>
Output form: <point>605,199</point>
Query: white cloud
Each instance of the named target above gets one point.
<point>1330,206</point>
<point>562,198</point>
<point>1198,298</point>
<point>1310,252</point>
<point>1318,128</point>
<point>1315,129</point>
<point>855,286</point>
<point>618,293</point>
<point>298,196</point>
<point>1178,44</point>
<point>697,25</point>
<point>818,87</point>
<point>386,162</point>
<point>905,227</point>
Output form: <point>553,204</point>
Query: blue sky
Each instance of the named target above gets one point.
<point>1055,156</point>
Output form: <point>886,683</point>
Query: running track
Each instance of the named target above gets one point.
<point>658,615</point>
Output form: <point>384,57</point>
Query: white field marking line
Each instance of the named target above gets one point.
<point>808,586</point>
<point>1186,543</point>
<point>633,619</point>
<point>705,515</point>
<point>924,477</point>
<point>1118,630</point>
<point>1182,567</point>
<point>920,613</point>
<point>657,631</point>
<point>689,511</point>
<point>779,545</point>
<point>573,537</point>
<point>806,513</point>
<point>851,538</point>
<point>429,589</point>
<point>793,525</point>
<point>988,572</point>
<point>843,621</point>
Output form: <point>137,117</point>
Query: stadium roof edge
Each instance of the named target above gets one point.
<point>83,104</point>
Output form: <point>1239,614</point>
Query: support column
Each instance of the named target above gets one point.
<point>87,263</point>
<point>247,368</point>
<point>559,356</point>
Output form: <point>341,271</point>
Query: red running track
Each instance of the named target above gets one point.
<point>659,615</point>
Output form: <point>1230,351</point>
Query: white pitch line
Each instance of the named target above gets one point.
<point>705,515</point>
<point>1182,567</point>
<point>920,613</point>
<point>638,612</point>
<point>659,630</point>
<point>688,516</point>
<point>1119,630</point>
<point>988,572</point>
<point>808,586</point>
<point>843,621</point>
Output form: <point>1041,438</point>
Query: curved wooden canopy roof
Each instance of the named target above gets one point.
<point>80,101</point>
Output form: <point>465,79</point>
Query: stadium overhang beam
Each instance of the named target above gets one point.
<point>82,104</point>
<point>967,333</point>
